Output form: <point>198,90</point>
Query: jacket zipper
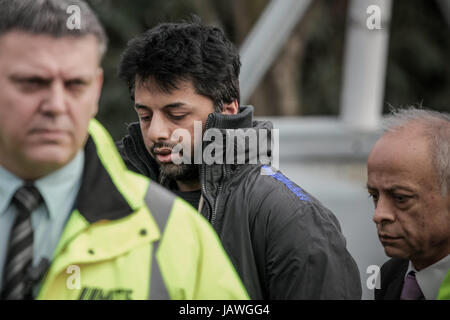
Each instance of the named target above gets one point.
<point>212,216</point>
<point>208,200</point>
<point>216,204</point>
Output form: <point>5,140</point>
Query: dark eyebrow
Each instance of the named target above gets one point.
<point>173,105</point>
<point>18,78</point>
<point>82,78</point>
<point>168,106</point>
<point>398,187</point>
<point>391,189</point>
<point>141,107</point>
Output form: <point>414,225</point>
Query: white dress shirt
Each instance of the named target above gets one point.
<point>430,279</point>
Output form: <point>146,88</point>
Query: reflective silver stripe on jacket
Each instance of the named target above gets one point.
<point>159,201</point>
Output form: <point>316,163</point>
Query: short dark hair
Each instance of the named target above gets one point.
<point>50,17</point>
<point>186,51</point>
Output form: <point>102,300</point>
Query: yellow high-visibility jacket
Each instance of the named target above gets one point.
<point>128,238</point>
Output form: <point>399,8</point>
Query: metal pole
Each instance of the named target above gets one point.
<point>365,63</point>
<point>266,39</point>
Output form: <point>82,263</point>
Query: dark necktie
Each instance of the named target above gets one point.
<point>20,247</point>
<point>411,289</point>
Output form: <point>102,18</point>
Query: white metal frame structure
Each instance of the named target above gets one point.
<point>351,134</point>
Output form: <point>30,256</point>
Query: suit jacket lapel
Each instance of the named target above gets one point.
<point>394,289</point>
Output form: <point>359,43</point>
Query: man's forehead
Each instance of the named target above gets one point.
<point>153,86</point>
<point>403,154</point>
<point>43,51</point>
<point>408,139</point>
<point>46,72</point>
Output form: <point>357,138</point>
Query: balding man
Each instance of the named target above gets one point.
<point>409,181</point>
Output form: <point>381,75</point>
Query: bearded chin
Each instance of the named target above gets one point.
<point>179,172</point>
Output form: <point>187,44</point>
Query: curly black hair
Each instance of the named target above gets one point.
<point>187,51</point>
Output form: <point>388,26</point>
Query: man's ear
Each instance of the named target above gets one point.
<point>231,108</point>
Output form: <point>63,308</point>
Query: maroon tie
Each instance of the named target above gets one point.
<point>411,289</point>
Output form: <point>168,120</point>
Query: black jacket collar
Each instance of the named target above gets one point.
<point>243,119</point>
<point>98,197</point>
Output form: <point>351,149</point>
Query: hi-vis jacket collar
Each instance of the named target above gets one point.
<point>105,174</point>
<point>102,201</point>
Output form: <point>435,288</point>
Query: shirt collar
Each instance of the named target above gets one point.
<point>430,279</point>
<point>410,268</point>
<point>9,183</point>
<point>55,188</point>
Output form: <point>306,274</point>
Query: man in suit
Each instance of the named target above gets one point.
<point>409,181</point>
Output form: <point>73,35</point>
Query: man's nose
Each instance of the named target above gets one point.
<point>55,101</point>
<point>158,129</point>
<point>383,211</point>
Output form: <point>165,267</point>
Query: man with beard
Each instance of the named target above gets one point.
<point>283,242</point>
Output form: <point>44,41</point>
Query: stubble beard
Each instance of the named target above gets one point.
<point>179,172</point>
<point>183,172</point>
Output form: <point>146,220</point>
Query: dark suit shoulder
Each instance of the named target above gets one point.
<point>394,265</point>
<point>392,275</point>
